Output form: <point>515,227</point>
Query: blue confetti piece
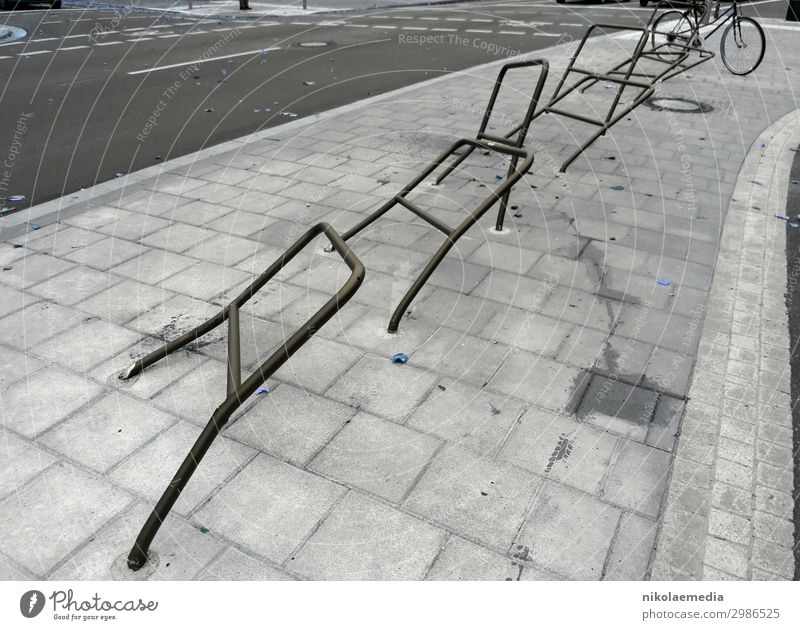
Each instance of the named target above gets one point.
<point>752,181</point>
<point>664,283</point>
<point>761,145</point>
<point>700,217</point>
<point>399,358</point>
<point>498,176</point>
<point>17,246</point>
<point>794,225</point>
<point>796,182</point>
<point>36,226</point>
<point>617,187</point>
<point>16,198</point>
<point>492,126</point>
<point>782,216</point>
<point>494,411</point>
<point>203,530</point>
<point>795,150</point>
<point>7,268</point>
<point>224,72</point>
<point>262,390</point>
<point>119,174</point>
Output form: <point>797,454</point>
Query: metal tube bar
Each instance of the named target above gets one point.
<point>234,350</point>
<point>138,554</point>
<point>425,216</point>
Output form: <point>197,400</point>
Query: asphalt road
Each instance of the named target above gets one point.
<point>79,90</point>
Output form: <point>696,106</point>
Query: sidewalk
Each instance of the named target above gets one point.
<point>562,414</point>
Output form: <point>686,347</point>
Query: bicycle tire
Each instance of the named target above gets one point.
<point>728,41</point>
<point>681,28</point>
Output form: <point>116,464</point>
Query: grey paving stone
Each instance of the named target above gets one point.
<point>12,300</point>
<point>51,516</point>
<point>124,301</point>
<point>224,249</point>
<point>378,386</point>
<point>560,448</point>
<point>270,507</point>
<point>21,461</point>
<point>476,497</point>
<point>34,268</point>
<point>569,532</point>
<point>455,310</point>
<point>545,383</point>
<point>133,227</point>
<point>86,345</point>
<point>529,331</point>
<point>617,407</point>
<point>106,431</point>
<point>318,364</point>
<point>27,411</point>
<point>176,316</point>
<point>153,266</point>
<point>369,332</point>
<point>14,366</point>
<point>105,254</point>
<point>669,372</point>
<point>204,280</point>
<point>461,560</point>
<point>460,355</point>
<point>362,539</point>
<point>63,240</point>
<point>74,285</point>
<point>468,415</point>
<point>729,526</point>
<point>376,455</point>
<point>638,478</point>
<point>233,565</point>
<point>178,237</point>
<point>666,421</point>
<point>290,424</point>
<point>148,471</point>
<point>725,556</point>
<point>632,548</point>
<point>179,551</point>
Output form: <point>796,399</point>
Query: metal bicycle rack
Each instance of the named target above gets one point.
<point>510,145</point>
<point>239,392</point>
<point>624,75</point>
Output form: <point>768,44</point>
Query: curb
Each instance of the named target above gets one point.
<point>723,519</point>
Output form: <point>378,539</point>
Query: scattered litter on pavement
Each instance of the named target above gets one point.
<point>36,226</point>
<point>752,181</point>
<point>262,390</point>
<point>794,225</point>
<point>7,268</point>
<point>289,114</point>
<point>224,72</point>
<point>119,174</point>
<point>663,282</point>
<point>17,198</point>
<point>442,387</point>
<point>617,187</point>
<point>780,215</point>
<point>309,82</point>
<point>700,217</point>
<point>795,150</point>
<point>399,358</point>
<point>203,530</point>
<point>796,182</point>
<point>761,145</point>
<point>209,109</point>
<point>498,176</point>
<point>494,411</point>
<point>17,246</point>
<point>156,157</point>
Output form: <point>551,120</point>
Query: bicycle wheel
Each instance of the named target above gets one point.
<point>671,32</point>
<point>742,45</point>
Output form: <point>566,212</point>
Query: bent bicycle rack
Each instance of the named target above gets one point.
<point>452,234</point>
<point>239,392</point>
<point>517,136</point>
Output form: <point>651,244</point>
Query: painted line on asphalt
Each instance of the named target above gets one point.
<point>197,61</point>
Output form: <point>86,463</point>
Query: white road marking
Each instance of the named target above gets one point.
<point>72,48</point>
<point>446,30</point>
<point>414,28</point>
<point>358,25</point>
<point>197,61</point>
<point>35,52</point>
<point>384,27</point>
<point>107,43</point>
<point>511,32</point>
<point>475,30</point>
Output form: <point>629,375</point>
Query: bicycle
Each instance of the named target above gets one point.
<point>742,45</point>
